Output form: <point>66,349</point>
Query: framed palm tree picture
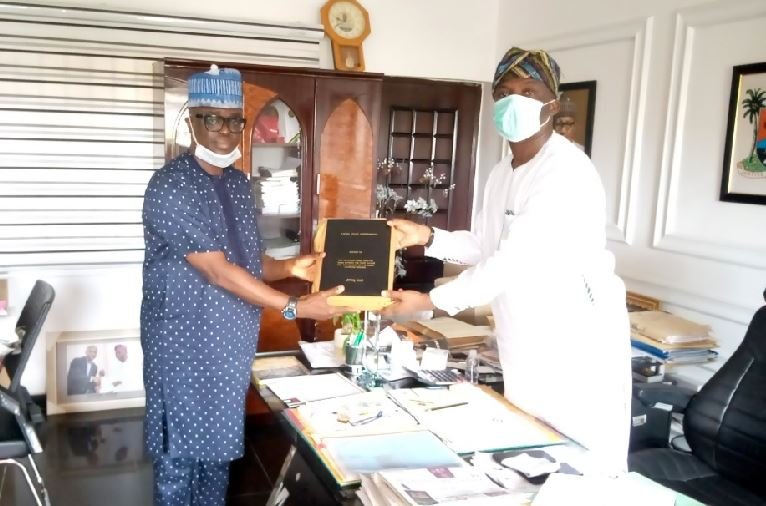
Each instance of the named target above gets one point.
<point>744,160</point>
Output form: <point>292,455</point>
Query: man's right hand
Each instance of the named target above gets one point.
<point>408,233</point>
<point>315,306</point>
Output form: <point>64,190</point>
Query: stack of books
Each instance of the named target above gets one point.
<point>671,339</point>
<point>450,333</point>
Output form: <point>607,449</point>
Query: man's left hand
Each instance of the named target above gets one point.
<point>305,266</point>
<point>407,302</point>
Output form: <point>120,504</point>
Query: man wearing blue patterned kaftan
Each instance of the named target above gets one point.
<point>204,289</point>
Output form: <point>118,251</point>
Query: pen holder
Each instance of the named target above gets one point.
<point>354,356</point>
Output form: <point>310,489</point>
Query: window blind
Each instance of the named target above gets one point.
<point>82,123</point>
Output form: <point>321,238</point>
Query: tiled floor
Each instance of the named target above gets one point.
<point>98,460</point>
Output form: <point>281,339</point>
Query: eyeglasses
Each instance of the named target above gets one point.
<point>214,122</point>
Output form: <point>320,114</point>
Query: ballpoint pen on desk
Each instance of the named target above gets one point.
<point>445,406</point>
<point>367,420</point>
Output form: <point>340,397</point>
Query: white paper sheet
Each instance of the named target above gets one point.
<point>322,354</point>
<point>629,490</point>
<point>296,390</point>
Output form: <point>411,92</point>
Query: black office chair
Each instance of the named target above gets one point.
<point>19,415</point>
<point>725,427</point>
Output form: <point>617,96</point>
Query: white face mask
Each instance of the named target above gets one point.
<point>213,158</point>
<point>518,117</point>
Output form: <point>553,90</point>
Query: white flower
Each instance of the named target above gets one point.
<point>421,207</point>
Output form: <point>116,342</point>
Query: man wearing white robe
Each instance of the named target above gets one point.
<point>123,374</point>
<point>538,256</point>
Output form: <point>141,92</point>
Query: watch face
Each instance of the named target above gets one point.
<point>347,19</point>
<point>289,313</point>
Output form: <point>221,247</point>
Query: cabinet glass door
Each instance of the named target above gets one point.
<point>275,171</point>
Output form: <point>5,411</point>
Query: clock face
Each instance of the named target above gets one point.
<point>347,19</point>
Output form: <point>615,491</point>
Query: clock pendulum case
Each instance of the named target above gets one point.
<point>347,23</point>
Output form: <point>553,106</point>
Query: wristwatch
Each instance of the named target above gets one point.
<point>430,240</point>
<point>290,311</point>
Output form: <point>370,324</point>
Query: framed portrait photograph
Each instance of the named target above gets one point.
<point>578,109</point>
<point>744,158</point>
<point>638,302</point>
<point>92,371</point>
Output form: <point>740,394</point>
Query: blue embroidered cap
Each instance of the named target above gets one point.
<point>220,88</point>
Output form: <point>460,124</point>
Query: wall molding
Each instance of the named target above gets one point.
<point>640,33</point>
<point>664,237</point>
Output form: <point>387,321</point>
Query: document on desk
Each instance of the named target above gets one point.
<point>630,489</point>
<point>321,354</point>
<point>276,367</point>
<point>438,486</point>
<point>297,390</point>
<point>348,457</point>
<point>353,415</point>
<point>469,419</point>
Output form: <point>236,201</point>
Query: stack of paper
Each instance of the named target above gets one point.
<point>671,338</point>
<point>297,390</point>
<point>455,333</point>
<point>277,194</point>
<point>277,367</point>
<point>470,419</point>
<point>455,486</point>
<point>322,354</point>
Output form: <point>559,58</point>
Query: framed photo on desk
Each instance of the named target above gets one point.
<point>95,370</point>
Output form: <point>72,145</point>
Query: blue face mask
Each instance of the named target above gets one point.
<point>518,117</point>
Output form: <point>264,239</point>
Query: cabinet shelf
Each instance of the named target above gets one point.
<point>418,135</point>
<point>435,161</point>
<point>276,145</point>
<point>280,215</point>
<point>418,186</point>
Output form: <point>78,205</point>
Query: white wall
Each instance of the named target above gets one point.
<point>664,71</point>
<point>449,39</point>
<point>446,39</point>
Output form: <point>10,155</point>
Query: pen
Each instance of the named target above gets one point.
<point>367,420</point>
<point>448,406</point>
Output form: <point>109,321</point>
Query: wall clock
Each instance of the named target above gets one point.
<point>347,23</point>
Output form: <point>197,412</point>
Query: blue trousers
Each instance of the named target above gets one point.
<point>190,482</point>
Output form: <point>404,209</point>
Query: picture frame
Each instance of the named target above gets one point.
<point>743,177</point>
<point>638,302</point>
<point>576,118</point>
<point>94,370</point>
